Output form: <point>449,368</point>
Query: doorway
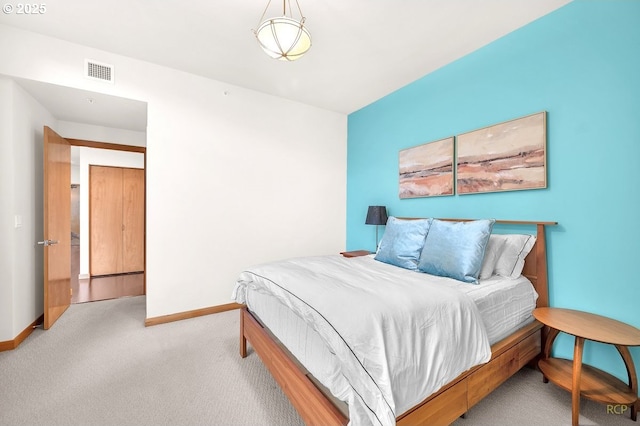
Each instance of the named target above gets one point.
<point>89,285</point>
<point>80,114</point>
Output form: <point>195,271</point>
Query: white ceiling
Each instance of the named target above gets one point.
<point>362,49</point>
<point>82,106</point>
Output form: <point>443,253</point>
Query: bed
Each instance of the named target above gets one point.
<point>339,370</point>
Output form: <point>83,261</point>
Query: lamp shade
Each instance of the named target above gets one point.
<point>376,215</point>
<point>284,38</point>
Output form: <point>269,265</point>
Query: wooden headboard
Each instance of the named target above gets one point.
<point>535,264</point>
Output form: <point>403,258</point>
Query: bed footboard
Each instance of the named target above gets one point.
<point>311,404</point>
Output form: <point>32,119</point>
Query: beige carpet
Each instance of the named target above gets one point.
<point>99,365</point>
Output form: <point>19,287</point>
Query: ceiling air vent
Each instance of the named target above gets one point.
<point>98,71</point>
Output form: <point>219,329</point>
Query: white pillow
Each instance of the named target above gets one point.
<point>511,259</point>
<point>491,254</point>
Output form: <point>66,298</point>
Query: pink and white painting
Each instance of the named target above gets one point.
<point>427,170</point>
<point>508,156</point>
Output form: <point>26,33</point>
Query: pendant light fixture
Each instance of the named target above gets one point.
<point>284,37</point>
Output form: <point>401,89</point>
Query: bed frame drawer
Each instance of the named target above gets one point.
<point>444,408</point>
<point>492,375</point>
<point>530,348</point>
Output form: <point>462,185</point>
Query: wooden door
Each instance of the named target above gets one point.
<point>116,204</point>
<point>57,226</point>
<point>133,220</point>
<point>105,220</point>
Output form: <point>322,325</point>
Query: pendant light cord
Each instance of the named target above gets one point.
<point>263,13</point>
<point>284,11</point>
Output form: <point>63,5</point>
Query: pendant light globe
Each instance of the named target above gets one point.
<point>284,38</point>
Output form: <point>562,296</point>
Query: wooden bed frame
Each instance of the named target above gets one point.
<point>452,400</point>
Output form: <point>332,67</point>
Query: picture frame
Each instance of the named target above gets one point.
<point>508,156</point>
<point>427,170</point>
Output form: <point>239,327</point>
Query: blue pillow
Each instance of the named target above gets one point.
<point>456,249</point>
<point>402,242</point>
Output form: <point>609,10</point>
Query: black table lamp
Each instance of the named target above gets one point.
<point>376,215</point>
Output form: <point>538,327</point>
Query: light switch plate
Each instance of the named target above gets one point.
<point>18,221</point>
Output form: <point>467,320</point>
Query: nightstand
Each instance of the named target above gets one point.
<point>585,380</point>
<point>355,253</point>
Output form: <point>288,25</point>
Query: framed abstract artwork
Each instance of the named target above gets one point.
<point>509,156</point>
<point>427,170</point>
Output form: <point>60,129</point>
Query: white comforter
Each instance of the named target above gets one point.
<point>398,338</point>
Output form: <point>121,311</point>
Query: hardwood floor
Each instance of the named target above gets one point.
<point>102,288</point>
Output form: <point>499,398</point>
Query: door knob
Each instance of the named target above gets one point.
<point>47,243</point>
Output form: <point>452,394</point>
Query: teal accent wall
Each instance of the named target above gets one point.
<point>581,64</point>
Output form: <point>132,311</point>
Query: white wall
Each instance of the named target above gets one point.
<point>97,157</point>
<point>6,210</point>
<point>22,158</point>
<point>90,132</point>
<point>234,177</point>
<point>75,171</point>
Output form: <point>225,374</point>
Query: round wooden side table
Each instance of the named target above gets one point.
<point>585,380</point>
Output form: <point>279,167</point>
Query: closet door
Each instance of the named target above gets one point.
<point>105,220</point>
<point>133,220</point>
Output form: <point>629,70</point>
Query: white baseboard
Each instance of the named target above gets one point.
<point>84,276</point>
